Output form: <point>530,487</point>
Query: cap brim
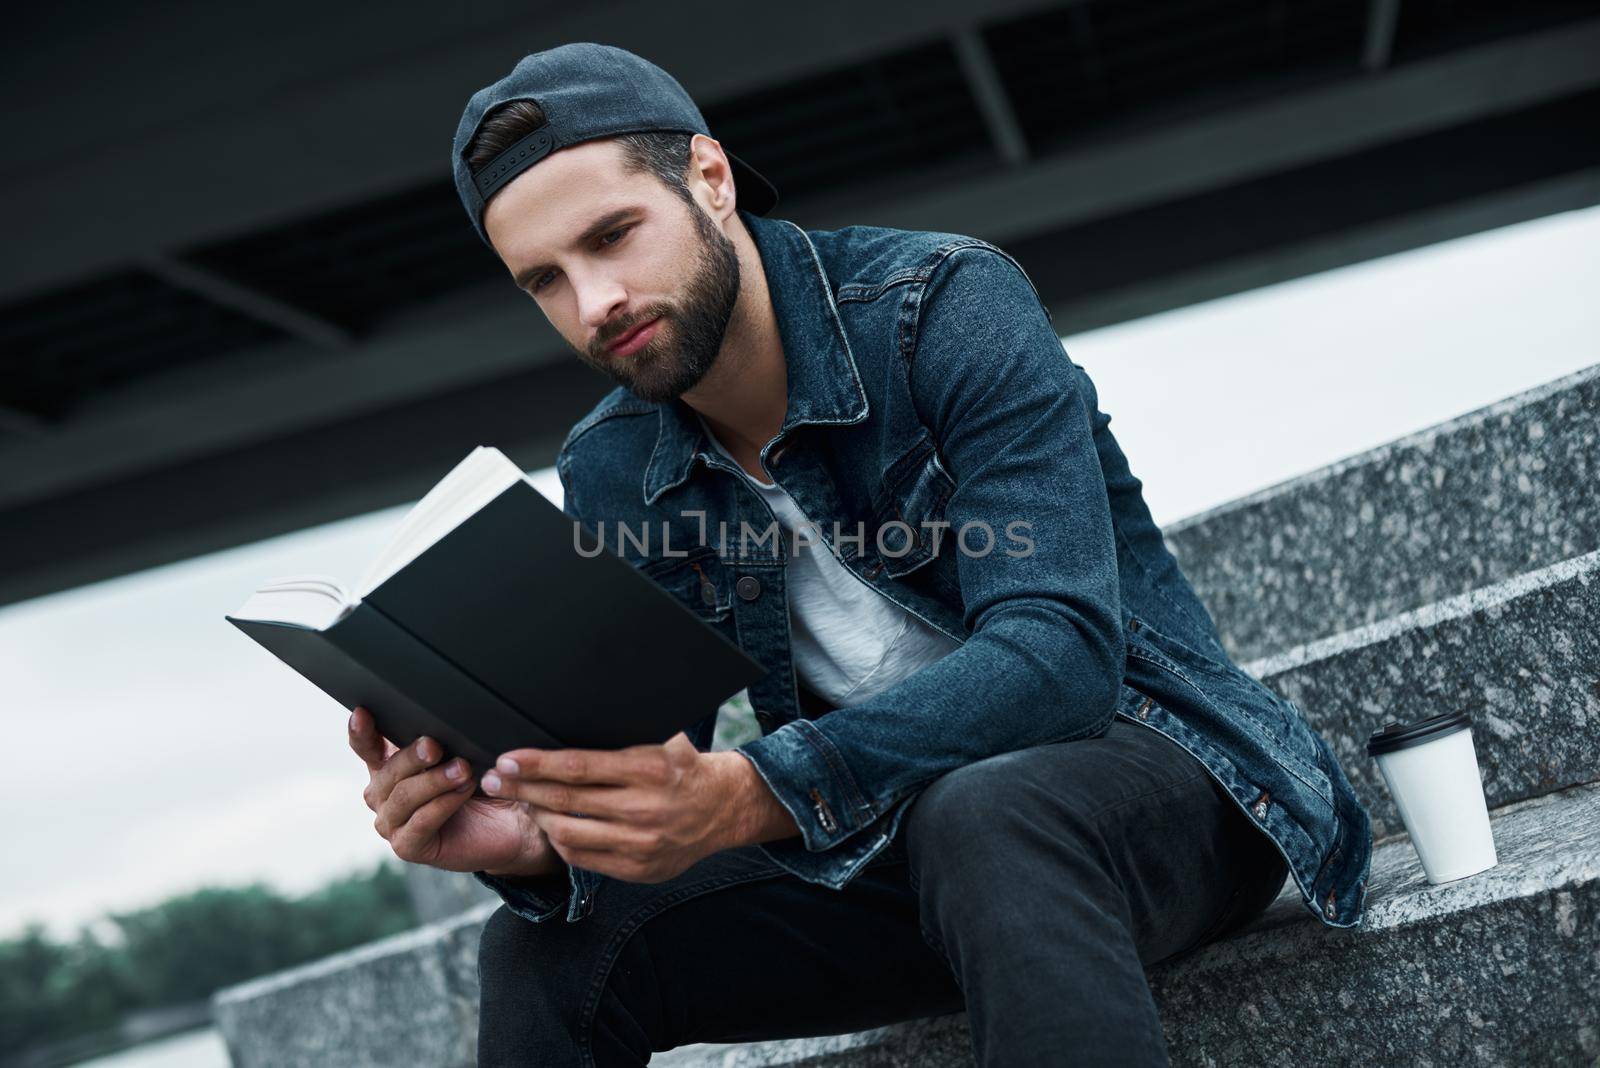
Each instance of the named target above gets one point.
<point>756,195</point>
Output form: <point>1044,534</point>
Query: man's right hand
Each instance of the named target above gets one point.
<point>427,813</point>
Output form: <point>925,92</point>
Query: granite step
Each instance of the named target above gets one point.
<point>1522,657</point>
<point>410,999</point>
<point>1470,502</point>
<point>1424,980</point>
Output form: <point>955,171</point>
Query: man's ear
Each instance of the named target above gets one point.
<point>711,178</point>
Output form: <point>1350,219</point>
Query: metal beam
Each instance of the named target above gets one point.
<point>977,66</point>
<point>1382,18</point>
<point>1401,233</point>
<point>1235,146</point>
<point>277,391</point>
<point>1386,199</point>
<point>17,421</point>
<point>296,322</point>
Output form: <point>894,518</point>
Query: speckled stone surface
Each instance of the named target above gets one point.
<point>1522,657</point>
<point>411,999</point>
<point>438,895</point>
<point>1489,495</point>
<point>1500,968</point>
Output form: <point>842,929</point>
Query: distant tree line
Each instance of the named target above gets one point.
<point>182,950</point>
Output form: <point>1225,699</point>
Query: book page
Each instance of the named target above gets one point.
<point>474,482</point>
<point>315,602</point>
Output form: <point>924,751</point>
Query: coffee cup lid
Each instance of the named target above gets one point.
<point>1392,736</point>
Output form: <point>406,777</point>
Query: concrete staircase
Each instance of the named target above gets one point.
<point>1456,568</point>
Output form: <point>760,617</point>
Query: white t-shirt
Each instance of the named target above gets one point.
<point>849,641</point>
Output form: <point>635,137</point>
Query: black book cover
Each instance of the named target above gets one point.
<point>367,659</point>
<point>502,635</point>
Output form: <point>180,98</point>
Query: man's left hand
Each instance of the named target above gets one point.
<point>642,814</point>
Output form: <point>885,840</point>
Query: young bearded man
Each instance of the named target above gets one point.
<point>1005,761</point>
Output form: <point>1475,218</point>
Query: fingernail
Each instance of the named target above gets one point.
<point>454,770</point>
<point>491,783</point>
<point>352,721</point>
<point>509,766</point>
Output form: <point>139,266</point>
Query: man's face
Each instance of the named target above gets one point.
<point>638,281</point>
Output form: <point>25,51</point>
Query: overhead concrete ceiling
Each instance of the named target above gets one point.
<point>242,298</point>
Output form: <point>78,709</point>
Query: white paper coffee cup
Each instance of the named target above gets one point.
<point>1431,770</point>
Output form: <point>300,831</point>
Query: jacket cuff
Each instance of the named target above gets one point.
<point>808,775</point>
<point>536,900</point>
<point>839,865</point>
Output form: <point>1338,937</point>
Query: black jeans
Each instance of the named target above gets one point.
<point>1030,889</point>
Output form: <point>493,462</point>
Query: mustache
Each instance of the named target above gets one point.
<point>603,341</point>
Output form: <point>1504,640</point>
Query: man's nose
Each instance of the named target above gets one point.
<point>599,300</point>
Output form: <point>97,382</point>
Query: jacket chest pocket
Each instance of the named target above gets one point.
<point>909,511</point>
<point>699,581</point>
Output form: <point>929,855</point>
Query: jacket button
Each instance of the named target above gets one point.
<point>748,587</point>
<point>766,719</point>
<point>708,595</point>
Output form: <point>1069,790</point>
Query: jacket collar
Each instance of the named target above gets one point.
<point>824,383</point>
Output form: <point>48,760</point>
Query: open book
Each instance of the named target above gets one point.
<point>482,626</point>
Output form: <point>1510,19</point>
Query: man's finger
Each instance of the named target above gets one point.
<point>414,791</point>
<point>587,767</point>
<point>413,838</point>
<point>576,832</point>
<point>364,738</point>
<point>402,764</point>
<point>604,802</point>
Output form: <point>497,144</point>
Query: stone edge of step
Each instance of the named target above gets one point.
<point>425,937</point>
<point>1382,453</point>
<point>1585,567</point>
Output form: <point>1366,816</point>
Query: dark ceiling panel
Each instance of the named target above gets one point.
<point>1077,70</point>
<point>363,264</point>
<point>1430,27</point>
<point>1314,202</point>
<point>898,114</point>
<point>66,345</point>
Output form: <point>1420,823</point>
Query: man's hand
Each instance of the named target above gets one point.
<point>427,813</point>
<point>642,814</point>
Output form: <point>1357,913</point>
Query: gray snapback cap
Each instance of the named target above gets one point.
<point>587,91</point>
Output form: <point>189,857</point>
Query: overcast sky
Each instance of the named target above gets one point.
<point>154,748</point>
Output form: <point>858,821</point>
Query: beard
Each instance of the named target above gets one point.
<point>690,334</point>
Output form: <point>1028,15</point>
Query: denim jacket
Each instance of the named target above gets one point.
<point>933,412</point>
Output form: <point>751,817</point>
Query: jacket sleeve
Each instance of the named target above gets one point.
<point>1044,657</point>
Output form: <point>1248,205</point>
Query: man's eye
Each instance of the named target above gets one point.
<point>540,282</point>
<point>614,236</point>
